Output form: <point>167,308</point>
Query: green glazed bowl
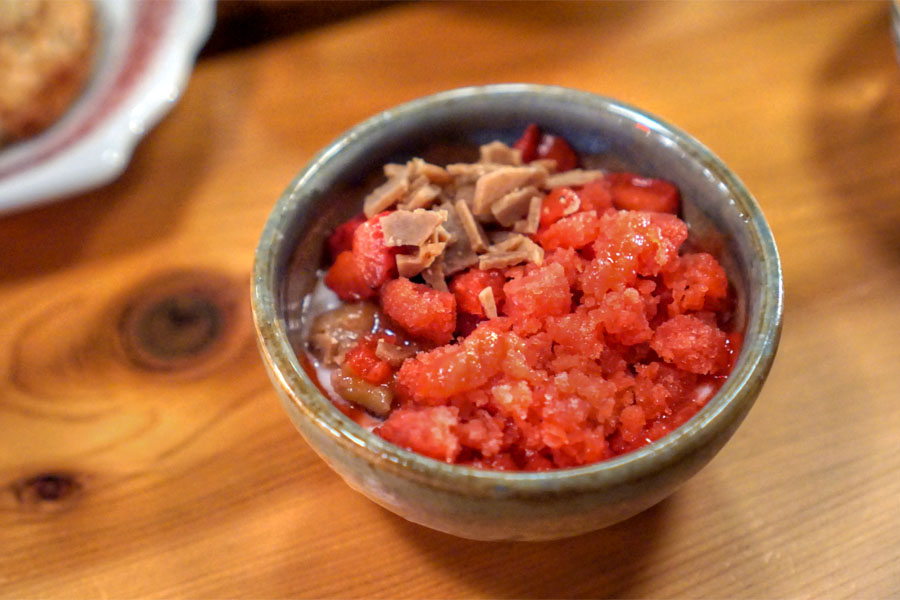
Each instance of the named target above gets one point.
<point>492,505</point>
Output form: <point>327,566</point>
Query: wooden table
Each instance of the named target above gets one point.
<point>144,453</point>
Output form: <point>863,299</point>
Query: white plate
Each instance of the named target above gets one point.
<point>146,53</point>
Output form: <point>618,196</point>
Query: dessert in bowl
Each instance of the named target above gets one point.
<point>467,490</point>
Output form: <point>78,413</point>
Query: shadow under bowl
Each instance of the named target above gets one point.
<point>723,219</point>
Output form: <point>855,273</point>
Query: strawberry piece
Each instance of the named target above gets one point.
<point>374,259</point>
<point>558,203</point>
<point>633,192</point>
<point>528,143</point>
<point>422,311</point>
<point>556,148</point>
<point>345,279</point>
<point>342,238</point>
<point>596,195</point>
<point>362,362</point>
<point>467,285</point>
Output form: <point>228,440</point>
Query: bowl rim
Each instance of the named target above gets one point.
<point>751,369</point>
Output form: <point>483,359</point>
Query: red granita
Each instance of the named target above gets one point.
<point>691,344</point>
<point>453,369</point>
<point>421,311</point>
<point>629,244</point>
<point>575,231</point>
<point>426,430</point>
<point>540,294</point>
<point>607,335</point>
<point>697,282</point>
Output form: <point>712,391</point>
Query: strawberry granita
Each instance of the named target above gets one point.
<point>521,313</point>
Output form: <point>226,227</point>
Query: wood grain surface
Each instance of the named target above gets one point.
<point>143,451</point>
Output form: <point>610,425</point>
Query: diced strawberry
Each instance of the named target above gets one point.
<point>535,145</point>
<point>342,238</point>
<point>468,285</point>
<point>375,260</point>
<point>596,195</point>
<point>528,143</point>
<point>556,148</point>
<point>345,279</point>
<point>558,203</point>
<point>422,311</point>
<point>633,192</point>
<point>362,362</point>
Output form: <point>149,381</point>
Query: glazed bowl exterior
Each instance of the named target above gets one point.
<point>495,505</point>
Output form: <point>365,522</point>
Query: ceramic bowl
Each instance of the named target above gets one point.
<point>494,505</point>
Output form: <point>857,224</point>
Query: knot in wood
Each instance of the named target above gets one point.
<point>46,489</point>
<point>176,321</point>
<point>178,326</point>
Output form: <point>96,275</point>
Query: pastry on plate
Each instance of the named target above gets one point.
<point>46,52</point>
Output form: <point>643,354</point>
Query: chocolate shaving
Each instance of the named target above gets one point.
<point>458,254</point>
<point>572,178</point>
<point>532,222</point>
<point>535,252</point>
<point>486,297</point>
<point>394,354</point>
<point>501,260</point>
<point>410,265</point>
<point>433,173</point>
<point>435,277</point>
<point>503,241</point>
<point>511,250</point>
<point>469,173</point>
<point>514,206</point>
<point>410,227</point>
<point>385,195</point>
<point>500,154</point>
<point>547,164</point>
<point>492,186</point>
<point>423,197</point>
<point>496,191</point>
<point>472,228</point>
